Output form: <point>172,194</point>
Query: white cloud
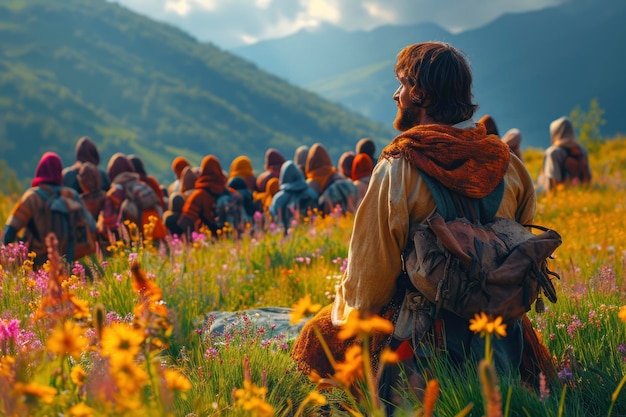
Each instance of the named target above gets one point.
<point>231,23</point>
<point>326,10</point>
<point>263,4</point>
<point>180,7</point>
<point>380,13</point>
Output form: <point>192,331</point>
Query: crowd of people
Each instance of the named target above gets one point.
<point>284,192</point>
<point>206,196</point>
<point>439,143</point>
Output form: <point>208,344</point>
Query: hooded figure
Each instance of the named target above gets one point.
<point>565,161</point>
<point>90,182</point>
<point>242,167</point>
<point>361,173</point>
<point>119,172</point>
<point>513,138</point>
<point>188,181</point>
<point>319,168</point>
<point>334,189</point>
<point>30,212</point>
<point>271,188</point>
<point>299,157</point>
<point>273,161</point>
<point>173,213</point>
<point>294,199</point>
<point>86,151</point>
<point>238,184</point>
<point>345,163</point>
<point>129,198</point>
<point>200,206</point>
<point>148,179</point>
<point>178,164</point>
<point>49,170</point>
<point>366,146</point>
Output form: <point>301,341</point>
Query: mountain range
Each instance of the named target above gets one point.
<point>73,68</point>
<point>529,68</point>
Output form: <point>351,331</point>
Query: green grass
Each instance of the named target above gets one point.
<point>266,268</point>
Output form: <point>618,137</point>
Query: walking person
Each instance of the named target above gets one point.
<point>33,215</point>
<point>566,161</point>
<point>86,151</point>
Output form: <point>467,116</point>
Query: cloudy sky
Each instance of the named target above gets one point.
<point>233,23</point>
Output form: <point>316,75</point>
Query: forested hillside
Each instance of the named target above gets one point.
<point>70,68</point>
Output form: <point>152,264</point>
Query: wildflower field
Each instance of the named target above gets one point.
<point>131,335</point>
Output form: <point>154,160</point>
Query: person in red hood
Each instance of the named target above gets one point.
<point>86,151</point>
<point>30,214</point>
<point>361,173</point>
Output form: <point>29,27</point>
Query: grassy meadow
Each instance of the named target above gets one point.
<point>130,335</point>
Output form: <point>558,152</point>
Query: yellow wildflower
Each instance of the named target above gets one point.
<point>622,313</point>
<point>176,381</point>
<point>481,324</point>
<point>316,398</point>
<point>302,308</point>
<point>478,323</point>
<point>27,266</point>
<point>7,364</point>
<point>81,410</point>
<point>33,391</point>
<point>81,307</point>
<point>252,398</point>
<point>125,402</point>
<point>121,339</point>
<point>68,338</point>
<point>128,376</point>
<point>355,326</point>
<point>78,375</point>
<point>352,368</point>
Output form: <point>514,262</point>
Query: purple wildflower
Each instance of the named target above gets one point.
<point>565,374</point>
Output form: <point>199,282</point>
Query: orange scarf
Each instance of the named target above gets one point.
<point>467,161</point>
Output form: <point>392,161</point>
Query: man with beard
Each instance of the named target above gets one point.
<point>440,140</point>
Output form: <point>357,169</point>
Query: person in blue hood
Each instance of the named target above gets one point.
<point>294,198</point>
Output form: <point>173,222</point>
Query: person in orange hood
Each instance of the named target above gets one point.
<point>178,164</point>
<point>242,167</point>
<point>334,189</point>
<point>201,206</point>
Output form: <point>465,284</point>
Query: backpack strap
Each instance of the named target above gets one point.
<point>451,205</point>
<point>43,193</point>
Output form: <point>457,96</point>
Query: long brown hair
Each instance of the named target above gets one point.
<point>441,80</point>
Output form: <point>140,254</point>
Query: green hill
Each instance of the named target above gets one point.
<point>70,68</point>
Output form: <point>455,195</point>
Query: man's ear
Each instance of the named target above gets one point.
<point>419,98</point>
